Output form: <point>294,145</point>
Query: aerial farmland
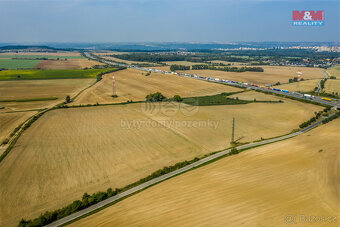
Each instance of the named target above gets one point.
<point>155,113</point>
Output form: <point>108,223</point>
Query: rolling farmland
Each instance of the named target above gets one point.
<point>49,74</point>
<point>133,85</point>
<point>332,86</point>
<point>69,64</point>
<point>302,86</point>
<point>9,121</point>
<point>259,187</point>
<point>18,64</point>
<point>271,74</point>
<point>86,163</point>
<point>32,60</point>
<point>335,71</point>
<point>35,89</point>
<point>251,95</point>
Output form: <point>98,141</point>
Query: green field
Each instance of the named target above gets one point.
<point>18,64</point>
<point>41,56</point>
<point>50,74</point>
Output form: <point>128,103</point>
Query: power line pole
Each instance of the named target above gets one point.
<point>114,94</point>
<point>233,131</point>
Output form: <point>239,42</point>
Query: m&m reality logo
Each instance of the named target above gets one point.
<point>308,18</point>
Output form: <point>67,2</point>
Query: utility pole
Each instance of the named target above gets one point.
<point>114,94</point>
<point>233,131</point>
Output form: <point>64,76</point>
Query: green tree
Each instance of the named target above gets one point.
<point>155,97</point>
<point>234,151</point>
<point>177,98</point>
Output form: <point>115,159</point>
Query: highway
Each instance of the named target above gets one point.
<point>317,99</point>
<point>147,184</point>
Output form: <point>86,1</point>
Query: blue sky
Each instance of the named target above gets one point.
<point>162,21</point>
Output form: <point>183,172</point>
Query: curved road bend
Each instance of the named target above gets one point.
<point>103,203</point>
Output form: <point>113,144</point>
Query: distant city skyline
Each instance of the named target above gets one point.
<point>138,21</point>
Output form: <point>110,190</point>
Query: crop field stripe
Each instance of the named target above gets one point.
<point>18,64</point>
<point>40,57</point>
<point>29,100</point>
<point>50,74</point>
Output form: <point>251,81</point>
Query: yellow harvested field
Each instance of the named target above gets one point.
<point>9,121</point>
<point>251,95</point>
<point>69,64</point>
<point>332,86</point>
<point>303,86</point>
<point>90,149</point>
<point>271,74</point>
<point>272,185</point>
<point>334,71</point>
<point>59,53</point>
<point>132,84</point>
<point>30,89</point>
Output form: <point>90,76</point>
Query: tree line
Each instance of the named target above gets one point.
<point>179,67</point>
<point>227,68</point>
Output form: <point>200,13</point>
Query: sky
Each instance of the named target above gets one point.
<point>202,21</point>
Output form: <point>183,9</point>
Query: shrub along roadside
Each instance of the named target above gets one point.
<point>313,119</point>
<point>331,118</point>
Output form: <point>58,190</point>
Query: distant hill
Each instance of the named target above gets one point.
<point>36,48</point>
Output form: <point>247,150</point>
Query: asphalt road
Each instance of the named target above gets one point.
<point>145,185</point>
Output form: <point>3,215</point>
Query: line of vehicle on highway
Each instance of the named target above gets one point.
<point>321,100</point>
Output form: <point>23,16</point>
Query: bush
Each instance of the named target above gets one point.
<point>335,116</point>
<point>177,98</point>
<point>234,151</point>
<point>155,97</point>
